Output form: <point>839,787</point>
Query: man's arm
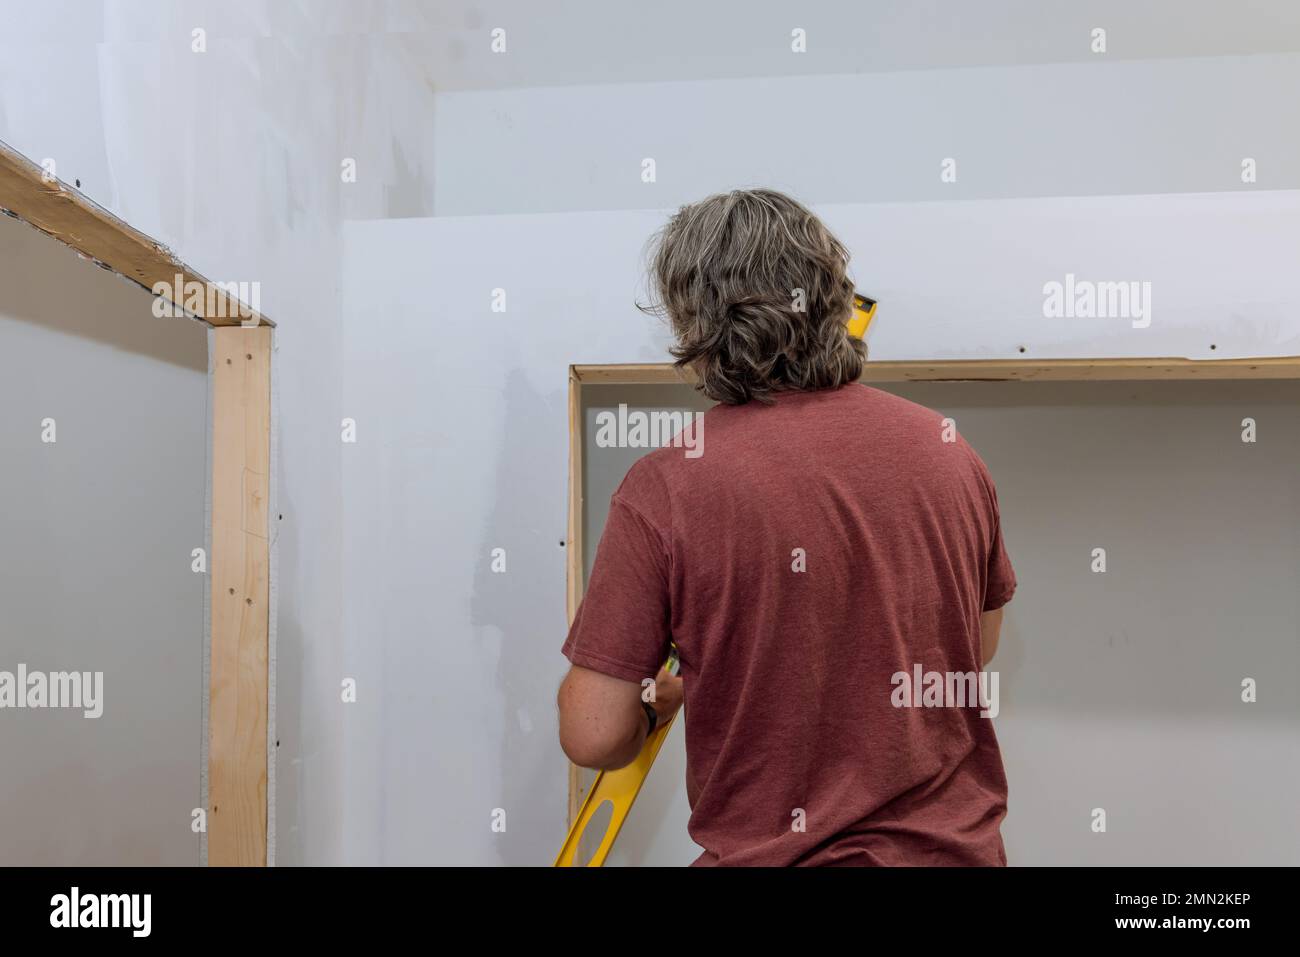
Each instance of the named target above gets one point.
<point>1000,582</point>
<point>990,629</point>
<point>602,722</point>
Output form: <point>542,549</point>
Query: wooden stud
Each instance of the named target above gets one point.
<point>240,561</point>
<point>574,568</point>
<point>985,370</point>
<point>574,542</point>
<point>97,234</point>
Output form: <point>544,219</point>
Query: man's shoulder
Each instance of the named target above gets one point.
<point>647,486</point>
<point>889,407</point>
<point>920,428</point>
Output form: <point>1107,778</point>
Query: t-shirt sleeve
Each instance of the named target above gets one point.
<point>1001,576</point>
<point>623,626</point>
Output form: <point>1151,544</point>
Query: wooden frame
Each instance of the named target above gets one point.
<point>240,576</point>
<point>991,370</point>
<point>239,563</point>
<point>957,370</point>
<point>574,566</point>
<point>29,194</point>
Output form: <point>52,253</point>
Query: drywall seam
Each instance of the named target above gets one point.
<point>207,608</point>
<point>273,518</point>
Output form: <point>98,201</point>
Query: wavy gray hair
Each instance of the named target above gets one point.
<point>756,290</point>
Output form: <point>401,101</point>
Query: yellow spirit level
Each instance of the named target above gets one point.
<point>864,310</point>
<point>617,788</point>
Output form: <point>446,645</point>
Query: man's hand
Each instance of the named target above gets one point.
<point>602,722</point>
<point>667,696</point>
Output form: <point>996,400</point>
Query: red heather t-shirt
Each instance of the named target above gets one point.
<point>795,750</point>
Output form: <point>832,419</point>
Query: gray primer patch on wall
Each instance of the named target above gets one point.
<point>95,569</point>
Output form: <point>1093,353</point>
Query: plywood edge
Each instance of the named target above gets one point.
<point>574,572</point>
<point>634,373</point>
<point>573,543</point>
<point>991,370</point>
<point>28,194</point>
<point>240,597</point>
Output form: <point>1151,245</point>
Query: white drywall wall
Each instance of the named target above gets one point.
<point>96,535</point>
<point>1056,129</point>
<point>232,158</point>
<point>593,41</point>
